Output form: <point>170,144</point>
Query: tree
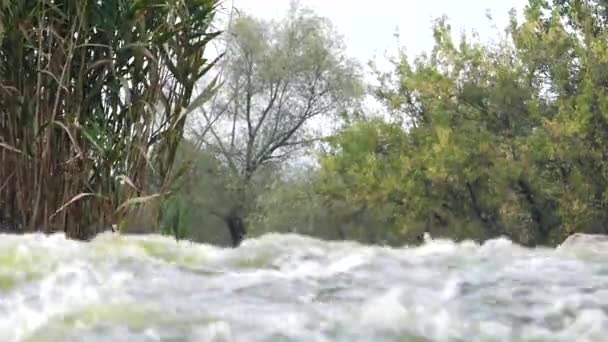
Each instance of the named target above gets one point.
<point>589,15</point>
<point>280,80</point>
<point>502,139</point>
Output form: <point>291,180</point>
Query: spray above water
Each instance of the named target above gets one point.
<point>294,288</point>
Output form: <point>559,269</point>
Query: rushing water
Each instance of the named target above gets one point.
<point>292,288</point>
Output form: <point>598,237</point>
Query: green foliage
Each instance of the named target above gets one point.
<point>190,212</point>
<point>495,139</point>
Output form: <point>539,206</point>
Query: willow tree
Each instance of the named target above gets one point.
<point>280,79</point>
<point>93,100</point>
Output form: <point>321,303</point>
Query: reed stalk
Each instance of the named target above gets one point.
<point>93,100</point>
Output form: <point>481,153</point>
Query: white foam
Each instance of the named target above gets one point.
<point>385,312</point>
<point>375,293</point>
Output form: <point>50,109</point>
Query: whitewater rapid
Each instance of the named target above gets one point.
<point>294,288</point>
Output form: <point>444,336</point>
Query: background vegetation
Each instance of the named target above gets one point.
<point>502,139</point>
<point>478,139</point>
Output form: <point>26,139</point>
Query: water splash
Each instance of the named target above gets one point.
<point>295,288</point>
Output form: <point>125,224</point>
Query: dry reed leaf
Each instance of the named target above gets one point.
<point>70,202</point>
<point>137,200</point>
<point>10,148</point>
<point>128,181</point>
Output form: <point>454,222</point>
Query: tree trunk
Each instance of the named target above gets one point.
<point>487,219</point>
<point>236,226</point>
<point>535,209</point>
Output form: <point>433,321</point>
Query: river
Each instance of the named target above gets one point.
<point>294,288</point>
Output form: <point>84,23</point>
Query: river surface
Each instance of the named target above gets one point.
<point>293,288</point>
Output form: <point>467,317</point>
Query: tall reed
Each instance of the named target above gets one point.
<point>93,100</point>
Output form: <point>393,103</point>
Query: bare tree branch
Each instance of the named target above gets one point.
<point>281,77</point>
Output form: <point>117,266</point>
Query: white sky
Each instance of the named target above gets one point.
<point>368,26</point>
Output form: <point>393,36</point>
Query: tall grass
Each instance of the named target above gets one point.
<point>93,100</point>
